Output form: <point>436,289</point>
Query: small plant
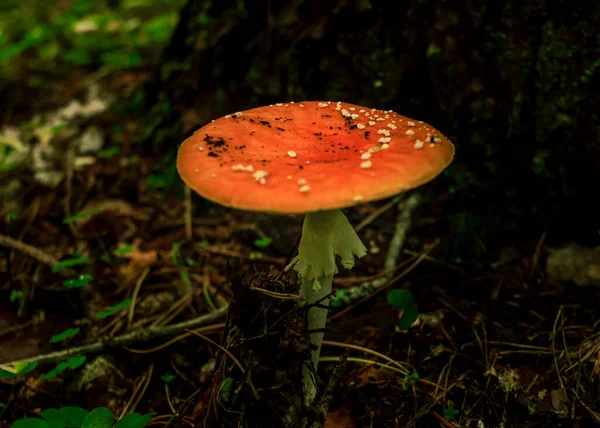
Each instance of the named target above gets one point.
<point>263,242</point>
<point>167,377</point>
<point>76,417</point>
<point>409,380</point>
<point>450,412</point>
<point>339,299</point>
<point>70,363</point>
<point>404,301</point>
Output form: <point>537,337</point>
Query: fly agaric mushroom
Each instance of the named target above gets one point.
<point>313,158</point>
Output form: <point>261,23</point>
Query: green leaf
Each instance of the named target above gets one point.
<point>76,361</point>
<point>71,362</point>
<point>80,281</point>
<point>15,294</point>
<point>6,374</point>
<point>61,367</point>
<point>77,57</point>
<point>106,312</point>
<point>409,316</point>
<point>339,299</point>
<point>409,379</point>
<point>54,415</point>
<point>450,412</point>
<point>30,423</point>
<point>69,263</point>
<point>401,299</point>
<point>2,405</point>
<point>11,51</point>
<point>98,418</point>
<point>168,378</point>
<point>159,29</point>
<point>125,249</point>
<point>25,366</point>
<point>121,59</point>
<point>57,128</point>
<point>82,216</point>
<point>226,388</point>
<point>133,420</point>
<point>70,332</point>
<point>109,152</point>
<point>75,415</point>
<point>263,242</point>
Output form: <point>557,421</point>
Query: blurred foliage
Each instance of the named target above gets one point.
<point>56,37</point>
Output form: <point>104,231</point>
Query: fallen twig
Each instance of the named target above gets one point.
<point>136,336</point>
<point>33,252</point>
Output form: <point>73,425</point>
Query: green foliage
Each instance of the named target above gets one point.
<point>133,420</point>
<point>18,368</point>
<point>123,250</point>
<point>409,380</point>
<point>404,300</point>
<point>87,32</point>
<point>76,417</point>
<point>6,374</point>
<point>450,412</point>
<point>263,242</point>
<point>80,281</point>
<point>81,216</point>
<point>339,299</point>
<point>15,295</point>
<point>70,332</point>
<point>69,416</point>
<point>110,310</point>
<point>401,299</point>
<point>67,263</point>
<point>100,417</point>
<point>225,391</point>
<point>167,377</point>
<point>32,423</point>
<point>70,363</point>
<point>109,152</point>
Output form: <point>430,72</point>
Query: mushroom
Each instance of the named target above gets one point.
<point>312,158</point>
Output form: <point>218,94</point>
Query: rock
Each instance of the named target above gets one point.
<point>575,263</point>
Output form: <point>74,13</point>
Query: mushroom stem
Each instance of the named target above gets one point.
<point>325,234</point>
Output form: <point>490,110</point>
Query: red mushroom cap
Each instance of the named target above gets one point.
<point>310,156</point>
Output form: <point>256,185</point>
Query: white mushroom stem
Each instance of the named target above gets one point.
<point>325,234</point>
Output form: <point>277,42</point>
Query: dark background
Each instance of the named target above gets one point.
<point>513,84</point>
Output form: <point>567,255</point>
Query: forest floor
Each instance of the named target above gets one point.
<point>103,243</point>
